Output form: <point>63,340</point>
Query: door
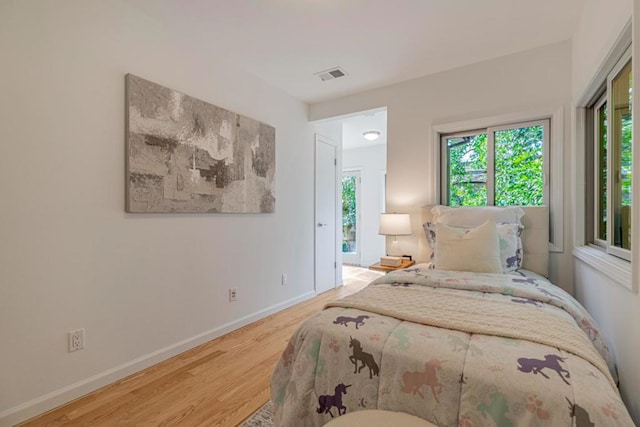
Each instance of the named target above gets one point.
<point>351,217</point>
<point>325,220</point>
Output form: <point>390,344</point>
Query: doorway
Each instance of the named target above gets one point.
<point>325,214</point>
<point>355,149</point>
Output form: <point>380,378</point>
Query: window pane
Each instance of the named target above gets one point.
<point>467,166</point>
<point>349,214</point>
<point>601,190</point>
<point>519,170</point>
<point>621,143</point>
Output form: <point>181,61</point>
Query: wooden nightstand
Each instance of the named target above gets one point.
<point>405,263</point>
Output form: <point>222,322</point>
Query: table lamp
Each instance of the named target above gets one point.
<point>394,224</point>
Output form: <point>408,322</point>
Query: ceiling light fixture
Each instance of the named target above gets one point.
<point>371,135</point>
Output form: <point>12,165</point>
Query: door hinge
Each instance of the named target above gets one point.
<point>335,162</point>
<point>335,265</point>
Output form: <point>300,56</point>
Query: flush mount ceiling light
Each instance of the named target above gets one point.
<point>371,135</point>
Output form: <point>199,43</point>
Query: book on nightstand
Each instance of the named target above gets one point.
<point>391,261</point>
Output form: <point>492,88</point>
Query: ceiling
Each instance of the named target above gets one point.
<point>377,42</point>
<point>353,127</point>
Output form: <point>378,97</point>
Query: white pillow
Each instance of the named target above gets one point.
<point>474,249</point>
<point>472,216</point>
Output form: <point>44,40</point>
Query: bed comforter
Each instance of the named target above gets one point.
<point>455,348</point>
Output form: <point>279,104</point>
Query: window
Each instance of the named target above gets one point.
<point>612,162</point>
<point>351,216</point>
<point>500,165</point>
<point>600,168</point>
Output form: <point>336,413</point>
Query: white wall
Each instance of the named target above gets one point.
<point>600,24</point>
<point>371,161</point>
<point>538,78</point>
<point>617,312</point>
<point>143,286</point>
<point>615,309</point>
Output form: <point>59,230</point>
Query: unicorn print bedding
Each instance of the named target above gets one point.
<point>454,348</point>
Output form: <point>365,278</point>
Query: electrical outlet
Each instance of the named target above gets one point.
<point>285,279</point>
<point>233,294</point>
<point>76,340</point>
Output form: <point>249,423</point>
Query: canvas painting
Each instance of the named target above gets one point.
<point>186,155</point>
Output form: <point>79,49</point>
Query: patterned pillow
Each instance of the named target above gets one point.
<point>508,236</point>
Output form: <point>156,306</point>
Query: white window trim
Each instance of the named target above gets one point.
<point>444,161</point>
<point>620,271</point>
<point>491,134</point>
<point>554,169</point>
<point>615,268</point>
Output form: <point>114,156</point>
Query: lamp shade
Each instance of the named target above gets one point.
<point>395,225</point>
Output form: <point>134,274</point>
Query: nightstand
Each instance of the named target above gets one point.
<point>405,263</point>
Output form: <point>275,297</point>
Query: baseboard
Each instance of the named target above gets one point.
<point>78,389</point>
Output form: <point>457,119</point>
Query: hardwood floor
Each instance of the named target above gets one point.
<point>219,383</point>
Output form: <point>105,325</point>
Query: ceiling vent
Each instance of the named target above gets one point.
<point>331,74</point>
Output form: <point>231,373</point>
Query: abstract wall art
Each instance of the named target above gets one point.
<point>186,155</point>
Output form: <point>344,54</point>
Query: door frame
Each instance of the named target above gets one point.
<point>337,255</point>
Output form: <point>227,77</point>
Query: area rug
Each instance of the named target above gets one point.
<point>263,417</point>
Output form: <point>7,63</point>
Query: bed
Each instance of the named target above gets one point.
<point>498,345</point>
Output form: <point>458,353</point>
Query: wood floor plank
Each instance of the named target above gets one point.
<point>219,383</point>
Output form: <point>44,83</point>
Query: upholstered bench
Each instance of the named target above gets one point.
<point>378,418</point>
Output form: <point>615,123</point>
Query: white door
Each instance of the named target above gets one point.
<point>351,217</point>
<point>325,221</point>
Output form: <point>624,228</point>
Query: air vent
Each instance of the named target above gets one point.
<point>331,74</point>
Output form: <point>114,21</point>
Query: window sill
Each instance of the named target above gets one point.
<point>615,268</point>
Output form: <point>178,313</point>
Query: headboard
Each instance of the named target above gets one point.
<point>535,238</point>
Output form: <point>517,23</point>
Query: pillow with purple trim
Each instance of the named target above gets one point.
<point>508,236</point>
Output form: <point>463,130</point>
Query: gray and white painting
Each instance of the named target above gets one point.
<point>186,155</point>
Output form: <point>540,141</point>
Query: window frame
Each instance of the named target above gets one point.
<point>607,245</point>
<point>490,132</point>
<point>611,155</point>
<point>621,272</point>
<point>444,159</point>
<point>602,99</point>
<point>557,167</point>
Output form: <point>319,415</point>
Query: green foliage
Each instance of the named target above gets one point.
<point>519,168</point>
<point>621,144</point>
<point>349,201</point>
<point>348,212</point>
<point>468,171</point>
<point>626,144</point>
<point>518,175</point>
<point>602,179</point>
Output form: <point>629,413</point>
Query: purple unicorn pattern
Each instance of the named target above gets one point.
<point>514,260</point>
<point>536,366</point>
<point>328,401</point>
<point>529,280</point>
<point>343,320</point>
<point>527,301</point>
